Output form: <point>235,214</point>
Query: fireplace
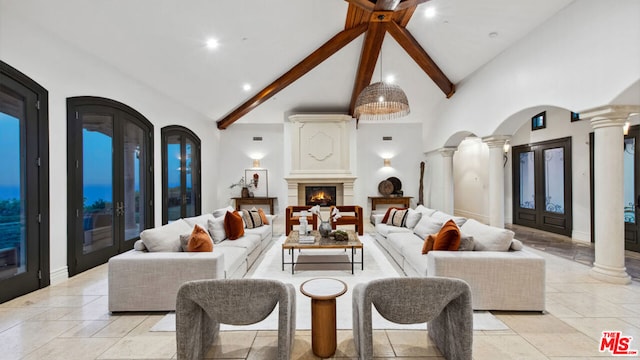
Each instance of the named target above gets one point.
<point>320,195</point>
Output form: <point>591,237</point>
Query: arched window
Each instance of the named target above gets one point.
<point>180,173</point>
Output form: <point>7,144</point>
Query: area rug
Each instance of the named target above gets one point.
<point>376,266</point>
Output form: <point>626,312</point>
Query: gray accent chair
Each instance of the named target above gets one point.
<point>445,303</point>
<point>202,305</point>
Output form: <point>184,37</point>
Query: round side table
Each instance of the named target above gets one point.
<point>323,293</point>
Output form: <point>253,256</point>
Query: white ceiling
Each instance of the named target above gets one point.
<point>161,43</point>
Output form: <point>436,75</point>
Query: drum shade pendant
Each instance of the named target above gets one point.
<point>381,101</point>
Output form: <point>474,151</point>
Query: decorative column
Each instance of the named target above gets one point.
<point>608,201</point>
<point>447,178</point>
<point>496,178</point>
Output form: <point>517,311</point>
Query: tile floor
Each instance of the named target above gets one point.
<point>71,321</point>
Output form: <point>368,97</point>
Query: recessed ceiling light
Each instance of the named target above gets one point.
<point>246,87</point>
<point>212,43</point>
<point>390,79</point>
<point>430,12</point>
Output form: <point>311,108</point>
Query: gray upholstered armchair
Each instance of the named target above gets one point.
<point>445,303</point>
<point>202,305</point>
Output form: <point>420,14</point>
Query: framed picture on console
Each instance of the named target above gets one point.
<point>259,180</point>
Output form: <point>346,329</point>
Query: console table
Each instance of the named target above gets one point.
<point>405,201</point>
<point>255,201</point>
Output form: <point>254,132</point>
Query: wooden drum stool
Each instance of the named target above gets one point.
<point>323,293</point>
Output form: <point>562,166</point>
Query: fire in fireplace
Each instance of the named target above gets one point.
<point>320,195</point>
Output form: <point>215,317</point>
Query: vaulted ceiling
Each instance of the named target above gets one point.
<point>297,55</point>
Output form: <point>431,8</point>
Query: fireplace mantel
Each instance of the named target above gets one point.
<point>321,153</point>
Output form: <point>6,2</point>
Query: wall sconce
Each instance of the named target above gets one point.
<point>387,162</point>
<point>256,163</point>
<point>625,128</point>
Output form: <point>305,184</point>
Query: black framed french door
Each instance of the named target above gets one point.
<point>24,185</point>
<point>542,186</point>
<point>181,189</point>
<point>110,180</point>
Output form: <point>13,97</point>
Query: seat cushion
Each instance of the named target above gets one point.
<point>385,229</point>
<point>247,242</point>
<point>263,232</point>
<point>401,241</point>
<point>234,258</point>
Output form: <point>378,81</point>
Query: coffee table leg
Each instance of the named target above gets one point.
<point>292,263</point>
<point>353,258</point>
<point>323,327</point>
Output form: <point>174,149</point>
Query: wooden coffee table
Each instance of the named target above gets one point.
<point>353,243</point>
<point>323,293</point>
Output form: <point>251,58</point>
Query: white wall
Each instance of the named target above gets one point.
<point>471,179</point>
<point>583,57</point>
<point>403,150</point>
<point>65,72</point>
<point>237,149</point>
<point>434,180</point>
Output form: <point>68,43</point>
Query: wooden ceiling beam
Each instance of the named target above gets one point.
<point>402,17</point>
<point>420,56</point>
<point>314,59</point>
<point>362,4</point>
<point>368,58</point>
<point>356,16</point>
<point>409,4</point>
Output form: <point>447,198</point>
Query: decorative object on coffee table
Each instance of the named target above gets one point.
<point>324,228</point>
<point>340,235</point>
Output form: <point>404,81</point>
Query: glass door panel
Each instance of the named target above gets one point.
<point>629,180</point>
<point>174,178</point>
<point>190,196</point>
<point>527,180</point>
<point>554,180</point>
<point>97,182</point>
<point>133,208</point>
<point>13,227</point>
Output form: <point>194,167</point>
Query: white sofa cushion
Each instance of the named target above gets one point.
<point>427,226</point>
<point>385,229</point>
<point>425,210</point>
<point>487,238</point>
<point>413,217</point>
<point>165,238</point>
<point>199,220</point>
<point>248,242</point>
<point>263,231</point>
<point>441,217</point>
<point>216,229</point>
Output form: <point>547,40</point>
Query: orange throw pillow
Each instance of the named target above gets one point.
<point>428,243</point>
<point>386,215</point>
<point>199,241</point>
<point>263,216</point>
<point>233,225</point>
<point>448,238</point>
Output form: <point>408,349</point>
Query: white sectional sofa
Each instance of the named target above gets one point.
<point>144,280</point>
<point>502,275</point>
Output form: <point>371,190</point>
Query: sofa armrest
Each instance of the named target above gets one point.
<point>149,281</point>
<point>377,218</point>
<point>499,280</point>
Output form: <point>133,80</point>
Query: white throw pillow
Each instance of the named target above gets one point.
<point>139,245</point>
<point>427,226</point>
<point>165,238</point>
<point>223,211</point>
<point>425,210</point>
<point>199,220</point>
<point>439,216</point>
<point>516,245</point>
<point>487,238</point>
<point>412,218</point>
<point>466,242</point>
<point>216,229</point>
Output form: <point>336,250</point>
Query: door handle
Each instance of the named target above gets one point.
<point>119,208</point>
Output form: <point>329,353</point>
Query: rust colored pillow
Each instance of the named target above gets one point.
<point>233,225</point>
<point>263,216</point>
<point>199,241</point>
<point>386,215</point>
<point>448,238</point>
<point>428,243</point>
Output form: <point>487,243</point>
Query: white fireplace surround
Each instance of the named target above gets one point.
<point>321,153</point>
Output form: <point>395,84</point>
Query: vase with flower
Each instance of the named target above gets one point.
<point>325,226</point>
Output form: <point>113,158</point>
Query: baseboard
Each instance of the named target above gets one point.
<point>59,275</point>
<point>581,236</point>
<point>471,215</point>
